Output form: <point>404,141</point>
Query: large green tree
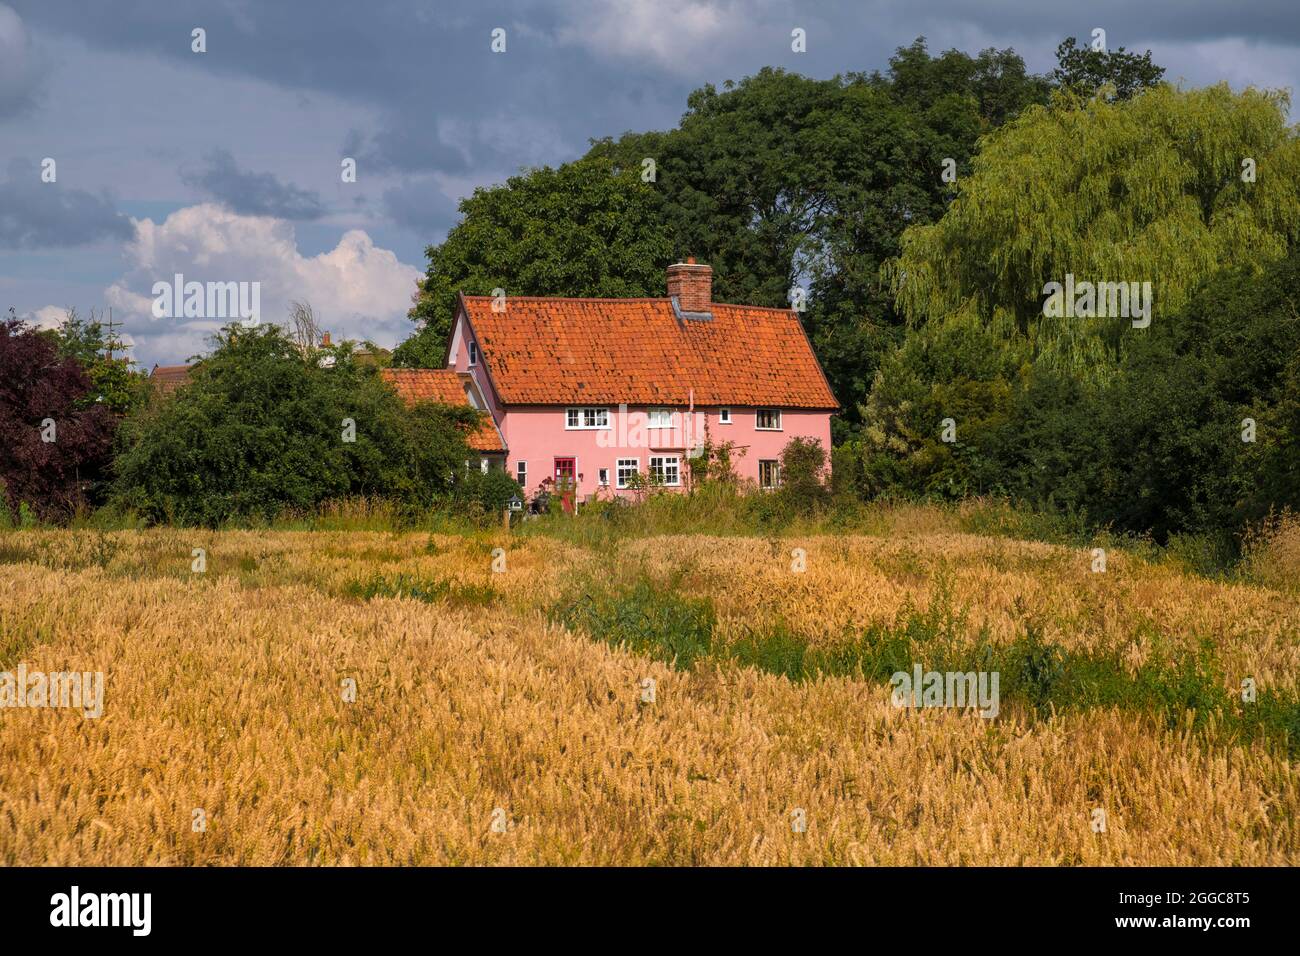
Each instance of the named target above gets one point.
<point>1162,188</point>
<point>588,228</point>
<point>1084,70</point>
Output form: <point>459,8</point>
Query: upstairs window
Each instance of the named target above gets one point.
<point>660,418</point>
<point>768,419</point>
<point>724,416</point>
<point>666,469</point>
<point>473,353</point>
<point>521,473</point>
<point>586,418</point>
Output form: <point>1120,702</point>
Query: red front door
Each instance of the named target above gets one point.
<point>564,482</point>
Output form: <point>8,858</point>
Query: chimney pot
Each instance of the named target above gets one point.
<point>692,284</point>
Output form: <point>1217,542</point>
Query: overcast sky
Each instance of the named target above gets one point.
<point>225,165</point>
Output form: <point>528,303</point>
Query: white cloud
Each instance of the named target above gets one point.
<point>357,289</point>
<point>47,317</point>
<point>673,34</point>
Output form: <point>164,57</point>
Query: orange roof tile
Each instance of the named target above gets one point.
<point>550,351</point>
<point>447,387</point>
<point>167,378</point>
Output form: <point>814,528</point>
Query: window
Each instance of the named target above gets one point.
<point>521,473</point>
<point>769,473</point>
<point>627,470</point>
<point>666,469</point>
<point>768,419</point>
<point>586,418</point>
<point>483,465</point>
<point>604,477</point>
<point>473,353</point>
<point>724,416</point>
<point>660,418</point>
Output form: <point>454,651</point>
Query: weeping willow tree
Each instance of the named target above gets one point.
<point>1164,188</point>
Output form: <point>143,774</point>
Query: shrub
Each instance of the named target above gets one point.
<point>261,429</point>
<point>803,475</point>
<point>491,489</point>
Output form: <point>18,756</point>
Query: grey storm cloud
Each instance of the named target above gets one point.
<point>575,69</point>
<point>41,215</point>
<point>420,206</point>
<point>254,194</point>
<point>415,65</point>
<point>19,73</point>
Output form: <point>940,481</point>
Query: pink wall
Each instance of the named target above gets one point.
<point>459,360</point>
<point>537,435</point>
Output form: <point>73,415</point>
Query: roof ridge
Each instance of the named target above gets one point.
<point>667,300</point>
<point>571,298</point>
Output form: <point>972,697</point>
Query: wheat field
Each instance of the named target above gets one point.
<point>486,731</point>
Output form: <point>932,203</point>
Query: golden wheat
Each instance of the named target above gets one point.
<point>223,693</point>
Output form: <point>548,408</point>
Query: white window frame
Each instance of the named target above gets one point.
<point>661,412</point>
<point>758,417</point>
<point>619,465</point>
<point>577,418</point>
<point>602,477</point>
<point>724,416</point>
<point>677,468</point>
<point>483,465</point>
<point>521,473</point>
<point>473,354</point>
<point>776,467</point>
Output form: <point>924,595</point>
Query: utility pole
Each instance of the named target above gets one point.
<point>110,341</point>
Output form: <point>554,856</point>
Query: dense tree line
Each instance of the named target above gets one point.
<point>262,428</point>
<point>925,210</point>
<point>1171,421</point>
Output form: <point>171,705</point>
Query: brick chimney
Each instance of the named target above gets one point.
<point>325,341</point>
<point>692,284</point>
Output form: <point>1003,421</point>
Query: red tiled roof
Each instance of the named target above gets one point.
<point>546,351</point>
<point>167,378</point>
<point>445,386</point>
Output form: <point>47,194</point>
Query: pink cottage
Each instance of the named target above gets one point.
<point>590,392</point>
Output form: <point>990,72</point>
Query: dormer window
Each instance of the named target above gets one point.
<point>473,354</point>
